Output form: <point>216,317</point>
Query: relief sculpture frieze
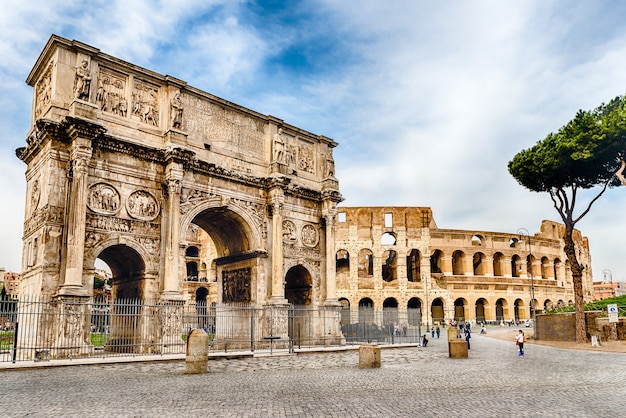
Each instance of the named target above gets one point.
<point>142,205</point>
<point>111,93</point>
<point>145,103</point>
<point>103,198</point>
<point>114,224</point>
<point>309,235</point>
<point>236,285</point>
<point>44,91</point>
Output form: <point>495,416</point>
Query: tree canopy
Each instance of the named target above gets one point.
<point>586,152</point>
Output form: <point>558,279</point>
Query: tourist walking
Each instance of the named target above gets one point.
<point>438,331</point>
<point>432,333</point>
<point>468,335</point>
<point>519,340</point>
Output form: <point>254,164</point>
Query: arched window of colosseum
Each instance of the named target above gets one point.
<point>388,238</point>
<point>516,265</point>
<point>366,263</point>
<point>192,271</point>
<point>413,271</point>
<point>389,267</point>
<point>366,311</point>
<point>497,264</point>
<point>481,305</point>
<point>436,262</point>
<point>342,268</point>
<point>557,269</point>
<point>459,309</point>
<point>457,263</point>
<point>436,310</point>
<point>345,311</point>
<point>501,305</point>
<point>547,305</point>
<point>477,240</point>
<point>414,311</point>
<point>545,268</point>
<point>479,264</point>
<point>390,313</point>
<point>518,307</point>
<point>513,242</point>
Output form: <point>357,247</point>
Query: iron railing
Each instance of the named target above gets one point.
<point>69,328</point>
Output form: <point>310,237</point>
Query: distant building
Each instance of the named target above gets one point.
<point>606,289</point>
<point>12,284</point>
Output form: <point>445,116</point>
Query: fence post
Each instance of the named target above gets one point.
<point>252,329</point>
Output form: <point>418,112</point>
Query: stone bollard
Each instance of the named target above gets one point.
<point>457,348</point>
<point>369,356</point>
<point>197,359</point>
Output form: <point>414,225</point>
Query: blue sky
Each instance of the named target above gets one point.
<point>427,100</point>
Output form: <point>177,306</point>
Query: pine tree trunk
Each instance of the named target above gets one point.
<point>577,278</point>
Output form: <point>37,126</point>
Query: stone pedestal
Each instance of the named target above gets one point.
<point>369,356</point>
<point>197,359</point>
<point>453,333</point>
<point>457,348</point>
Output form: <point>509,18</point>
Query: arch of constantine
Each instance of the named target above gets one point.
<point>123,164</point>
<point>191,199</point>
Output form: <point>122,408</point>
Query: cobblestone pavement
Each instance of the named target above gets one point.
<point>413,381</point>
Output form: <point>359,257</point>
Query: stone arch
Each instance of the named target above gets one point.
<point>437,310</point>
<point>459,309</point>
<point>516,265</point>
<point>235,229</point>
<point>545,268</point>
<point>390,311</point>
<point>457,263</point>
<point>345,311</point>
<point>518,310</point>
<point>366,311</point>
<point>389,266</point>
<point>501,310</point>
<point>414,309</point>
<point>482,306</point>
<point>436,262</point>
<point>557,269</point>
<point>127,271</point>
<point>413,269</point>
<point>299,286</point>
<point>480,268</point>
<point>497,264</point>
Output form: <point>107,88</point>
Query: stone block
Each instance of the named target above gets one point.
<point>369,356</point>
<point>457,349</point>
<point>197,358</point>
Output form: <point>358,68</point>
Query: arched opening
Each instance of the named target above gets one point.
<point>436,310</point>
<point>457,263</point>
<point>557,269</point>
<point>390,314</point>
<point>436,262</point>
<point>201,310</point>
<point>298,286</point>
<point>388,238</point>
<point>481,305</point>
<point>497,264</point>
<point>413,271</point>
<point>518,308</point>
<point>366,269</point>
<point>545,268</point>
<point>459,309</point>
<point>500,310</point>
<point>414,308</point>
<point>124,322</point>
<point>479,264</point>
<point>342,267</point>
<point>516,265</point>
<point>366,311</point>
<point>389,271</point>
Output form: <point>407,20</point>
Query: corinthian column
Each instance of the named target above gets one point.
<point>331,265</point>
<point>171,279</point>
<point>80,155</point>
<point>278,274</point>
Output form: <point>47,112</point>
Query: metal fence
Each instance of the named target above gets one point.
<point>32,330</point>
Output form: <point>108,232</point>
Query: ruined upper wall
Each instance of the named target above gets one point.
<point>144,107</point>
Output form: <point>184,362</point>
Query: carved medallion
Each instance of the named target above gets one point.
<point>103,198</point>
<point>309,234</point>
<point>142,205</point>
<point>289,232</point>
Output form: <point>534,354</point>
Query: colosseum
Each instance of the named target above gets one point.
<point>397,258</point>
